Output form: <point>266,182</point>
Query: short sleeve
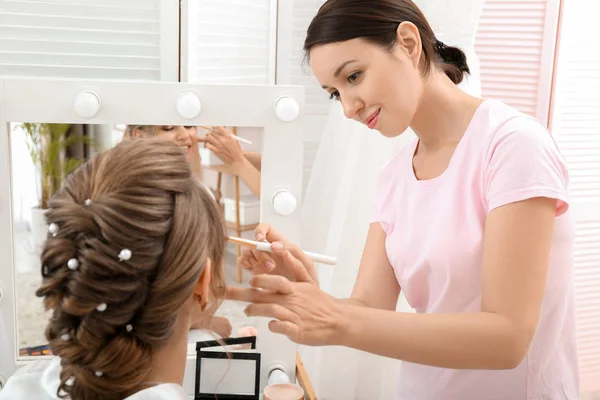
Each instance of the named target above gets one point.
<point>524,162</point>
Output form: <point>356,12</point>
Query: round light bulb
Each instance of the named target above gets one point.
<point>284,202</point>
<point>189,106</point>
<point>287,109</point>
<point>87,104</point>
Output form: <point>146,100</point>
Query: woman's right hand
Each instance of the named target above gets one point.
<point>260,262</point>
<point>221,142</point>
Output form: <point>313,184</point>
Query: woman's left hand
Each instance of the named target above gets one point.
<point>220,142</point>
<point>301,311</point>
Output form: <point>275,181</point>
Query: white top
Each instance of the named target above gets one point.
<point>40,381</point>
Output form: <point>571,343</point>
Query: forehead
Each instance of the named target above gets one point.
<point>326,59</point>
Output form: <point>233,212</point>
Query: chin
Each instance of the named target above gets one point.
<point>391,132</point>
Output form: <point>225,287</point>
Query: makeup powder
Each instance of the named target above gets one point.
<point>283,391</point>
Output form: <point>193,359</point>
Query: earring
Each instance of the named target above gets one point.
<point>201,302</point>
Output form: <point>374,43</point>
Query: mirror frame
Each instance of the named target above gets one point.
<point>154,103</point>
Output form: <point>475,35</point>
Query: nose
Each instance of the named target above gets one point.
<point>180,134</point>
<point>351,107</point>
<point>183,136</point>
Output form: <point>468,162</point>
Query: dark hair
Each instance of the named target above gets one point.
<point>377,21</point>
<point>109,315</point>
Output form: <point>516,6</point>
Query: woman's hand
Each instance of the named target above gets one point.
<point>301,311</point>
<point>194,158</point>
<point>260,262</point>
<point>220,142</point>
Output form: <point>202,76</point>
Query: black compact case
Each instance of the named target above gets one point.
<point>244,362</point>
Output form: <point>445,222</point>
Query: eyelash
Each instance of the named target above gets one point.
<point>335,94</point>
<point>170,128</point>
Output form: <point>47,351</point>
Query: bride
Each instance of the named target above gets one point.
<point>337,208</point>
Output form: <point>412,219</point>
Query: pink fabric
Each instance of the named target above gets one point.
<point>434,242</point>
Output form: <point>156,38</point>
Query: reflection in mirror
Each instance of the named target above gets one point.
<point>226,159</point>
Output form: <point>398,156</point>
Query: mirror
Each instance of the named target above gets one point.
<point>99,111</point>
<point>34,144</point>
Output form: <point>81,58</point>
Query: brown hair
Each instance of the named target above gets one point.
<point>143,198</point>
<point>148,129</point>
<point>377,21</point>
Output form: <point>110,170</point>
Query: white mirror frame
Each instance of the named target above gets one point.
<point>154,103</point>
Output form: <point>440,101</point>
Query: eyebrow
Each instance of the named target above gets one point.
<point>339,69</point>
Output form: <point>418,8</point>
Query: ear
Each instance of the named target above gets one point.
<point>409,40</point>
<point>138,133</point>
<point>202,289</point>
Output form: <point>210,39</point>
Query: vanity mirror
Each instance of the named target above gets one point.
<point>70,120</point>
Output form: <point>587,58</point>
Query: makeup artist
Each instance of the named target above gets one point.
<point>246,165</point>
<point>471,221</point>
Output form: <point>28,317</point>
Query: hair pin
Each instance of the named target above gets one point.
<point>87,202</point>
<point>53,229</point>
<point>439,45</point>
<point>129,327</point>
<point>65,337</point>
<point>102,307</point>
<point>125,255</point>
<point>73,264</point>
<point>98,374</point>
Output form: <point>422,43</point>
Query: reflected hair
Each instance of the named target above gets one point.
<point>144,198</point>
<point>147,129</point>
<point>377,21</point>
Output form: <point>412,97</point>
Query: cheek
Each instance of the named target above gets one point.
<point>403,99</point>
<point>166,135</point>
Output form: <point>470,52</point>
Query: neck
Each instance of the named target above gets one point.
<point>444,113</point>
<point>168,362</point>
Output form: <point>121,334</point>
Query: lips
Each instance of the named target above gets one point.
<point>372,120</point>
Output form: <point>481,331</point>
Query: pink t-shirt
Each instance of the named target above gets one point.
<point>434,243</point>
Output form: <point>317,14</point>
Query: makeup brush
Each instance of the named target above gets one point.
<point>239,139</point>
<point>266,247</point>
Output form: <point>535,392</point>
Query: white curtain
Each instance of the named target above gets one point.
<point>336,214</point>
<point>335,218</point>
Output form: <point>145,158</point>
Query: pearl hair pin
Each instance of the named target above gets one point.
<point>125,255</point>
<point>98,374</point>
<point>88,202</point>
<point>53,229</point>
<point>65,337</point>
<point>102,307</point>
<point>129,327</point>
<point>73,264</point>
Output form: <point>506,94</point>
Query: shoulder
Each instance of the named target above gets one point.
<point>506,135</point>
<point>166,391</point>
<point>525,140</point>
<point>38,380</point>
<point>499,122</point>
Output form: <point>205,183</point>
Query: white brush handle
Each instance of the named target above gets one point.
<point>318,258</point>
<point>241,139</point>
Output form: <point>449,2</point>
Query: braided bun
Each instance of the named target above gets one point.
<point>111,314</point>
